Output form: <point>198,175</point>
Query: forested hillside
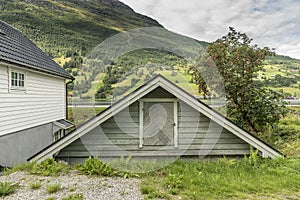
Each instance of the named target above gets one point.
<point>57,26</point>
<point>68,30</point>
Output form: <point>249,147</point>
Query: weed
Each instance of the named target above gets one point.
<point>7,188</point>
<point>92,166</point>
<point>20,167</point>
<point>35,185</point>
<point>53,188</point>
<point>74,197</point>
<point>49,167</point>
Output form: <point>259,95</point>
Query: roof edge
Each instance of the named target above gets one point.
<point>29,67</point>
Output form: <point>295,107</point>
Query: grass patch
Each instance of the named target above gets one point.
<point>225,179</point>
<point>35,185</point>
<point>25,167</point>
<point>80,115</point>
<point>74,197</point>
<point>48,167</point>
<point>7,188</point>
<point>53,188</point>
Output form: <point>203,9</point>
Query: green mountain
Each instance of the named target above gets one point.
<point>60,25</point>
<point>68,30</point>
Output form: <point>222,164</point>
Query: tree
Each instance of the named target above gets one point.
<point>238,61</point>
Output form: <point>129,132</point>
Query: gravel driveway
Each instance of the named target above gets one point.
<point>104,188</point>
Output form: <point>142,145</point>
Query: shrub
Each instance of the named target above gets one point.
<point>7,188</point>
<point>53,188</point>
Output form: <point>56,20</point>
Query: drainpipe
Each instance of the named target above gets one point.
<point>67,112</point>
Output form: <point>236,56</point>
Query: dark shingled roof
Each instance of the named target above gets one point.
<point>17,49</point>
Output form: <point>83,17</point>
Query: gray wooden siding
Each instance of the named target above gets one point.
<point>42,102</point>
<point>159,93</point>
<point>119,136</point>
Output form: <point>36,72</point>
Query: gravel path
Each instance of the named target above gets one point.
<point>104,188</point>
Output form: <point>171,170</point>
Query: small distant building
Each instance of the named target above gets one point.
<point>158,119</point>
<point>32,98</point>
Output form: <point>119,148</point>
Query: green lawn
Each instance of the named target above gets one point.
<point>225,179</point>
<point>80,115</point>
<point>96,84</point>
<point>181,79</point>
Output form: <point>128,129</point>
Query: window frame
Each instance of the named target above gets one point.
<point>58,135</point>
<point>17,79</point>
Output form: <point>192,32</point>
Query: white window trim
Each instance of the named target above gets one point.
<point>141,117</point>
<point>58,135</point>
<point>14,88</point>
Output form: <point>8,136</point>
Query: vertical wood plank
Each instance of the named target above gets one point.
<point>175,123</point>
<point>141,115</point>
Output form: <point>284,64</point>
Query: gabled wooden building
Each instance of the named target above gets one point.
<point>158,119</point>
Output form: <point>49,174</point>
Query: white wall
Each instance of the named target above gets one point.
<point>42,102</point>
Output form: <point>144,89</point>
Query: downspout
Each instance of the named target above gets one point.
<point>67,112</point>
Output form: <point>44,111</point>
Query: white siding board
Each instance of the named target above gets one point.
<point>3,80</point>
<point>23,117</point>
<point>7,112</point>
<point>43,102</point>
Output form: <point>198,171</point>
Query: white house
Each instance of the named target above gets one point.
<point>32,97</point>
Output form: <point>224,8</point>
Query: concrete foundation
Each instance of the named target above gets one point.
<point>17,147</point>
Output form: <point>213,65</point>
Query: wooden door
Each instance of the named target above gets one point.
<point>158,123</point>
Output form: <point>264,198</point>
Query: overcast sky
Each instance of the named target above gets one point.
<point>272,23</point>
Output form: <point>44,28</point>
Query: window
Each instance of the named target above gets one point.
<point>17,80</point>
<point>58,134</point>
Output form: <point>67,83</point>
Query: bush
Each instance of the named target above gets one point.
<point>7,188</point>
